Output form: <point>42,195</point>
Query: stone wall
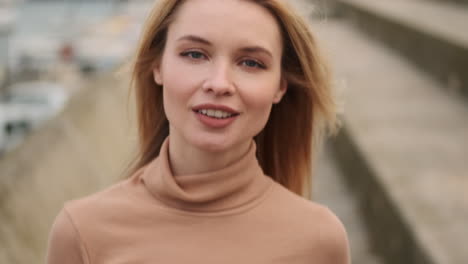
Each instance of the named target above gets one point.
<point>86,148</point>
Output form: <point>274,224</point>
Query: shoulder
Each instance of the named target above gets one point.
<point>92,205</point>
<point>322,231</point>
<point>79,221</point>
<point>65,244</point>
<point>291,203</point>
<point>331,237</point>
<point>96,204</point>
<point>94,212</point>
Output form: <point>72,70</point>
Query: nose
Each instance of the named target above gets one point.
<point>219,81</point>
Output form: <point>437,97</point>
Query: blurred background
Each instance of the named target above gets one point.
<point>396,174</point>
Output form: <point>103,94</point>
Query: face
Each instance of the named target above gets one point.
<point>220,72</point>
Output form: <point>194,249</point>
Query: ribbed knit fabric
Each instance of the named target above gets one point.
<point>238,184</point>
<point>234,215</point>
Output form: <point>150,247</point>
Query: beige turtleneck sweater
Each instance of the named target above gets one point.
<point>234,215</point>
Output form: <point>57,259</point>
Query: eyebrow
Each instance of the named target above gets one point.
<point>254,49</point>
<point>249,49</point>
<point>195,39</point>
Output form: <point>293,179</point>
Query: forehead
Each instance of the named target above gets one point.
<point>230,20</point>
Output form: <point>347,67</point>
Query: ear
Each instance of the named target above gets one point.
<point>157,76</point>
<point>281,91</point>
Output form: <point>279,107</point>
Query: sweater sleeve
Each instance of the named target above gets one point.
<point>65,245</point>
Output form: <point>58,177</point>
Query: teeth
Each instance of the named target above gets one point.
<point>211,113</point>
<point>215,113</point>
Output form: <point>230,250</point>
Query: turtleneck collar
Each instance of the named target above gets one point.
<point>235,185</point>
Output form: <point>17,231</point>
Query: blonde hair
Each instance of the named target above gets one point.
<point>296,124</point>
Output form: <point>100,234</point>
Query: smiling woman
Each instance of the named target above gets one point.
<point>231,95</point>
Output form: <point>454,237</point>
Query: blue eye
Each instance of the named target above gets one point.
<point>253,64</point>
<point>193,54</point>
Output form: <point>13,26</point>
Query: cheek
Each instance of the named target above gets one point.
<point>175,97</point>
<point>177,83</point>
<point>260,109</point>
<point>259,95</point>
<point>259,101</point>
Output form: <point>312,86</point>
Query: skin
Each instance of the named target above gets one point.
<point>225,53</point>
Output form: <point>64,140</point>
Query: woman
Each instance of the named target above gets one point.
<point>227,92</point>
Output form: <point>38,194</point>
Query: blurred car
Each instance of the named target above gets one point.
<point>33,57</point>
<point>39,99</point>
<point>26,106</point>
<point>13,126</point>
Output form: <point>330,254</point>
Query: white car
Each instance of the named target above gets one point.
<point>13,127</point>
<point>26,107</point>
<point>39,100</point>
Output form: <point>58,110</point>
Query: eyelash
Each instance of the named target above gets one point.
<point>257,64</point>
<point>190,54</point>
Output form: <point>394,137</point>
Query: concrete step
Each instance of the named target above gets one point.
<point>403,148</point>
<point>82,150</point>
<point>463,2</point>
<point>330,189</point>
<point>431,34</point>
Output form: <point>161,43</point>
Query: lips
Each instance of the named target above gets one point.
<point>223,108</point>
<point>215,116</point>
<point>220,114</point>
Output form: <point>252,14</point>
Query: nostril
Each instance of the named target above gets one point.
<point>219,88</point>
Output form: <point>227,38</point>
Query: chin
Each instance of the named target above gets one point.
<point>210,145</point>
<point>215,143</point>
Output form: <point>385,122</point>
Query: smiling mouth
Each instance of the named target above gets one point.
<point>218,114</point>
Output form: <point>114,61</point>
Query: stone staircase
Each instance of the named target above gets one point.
<point>330,189</point>
<point>84,149</point>
<point>431,34</point>
<point>401,68</point>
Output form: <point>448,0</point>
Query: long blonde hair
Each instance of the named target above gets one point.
<point>296,124</point>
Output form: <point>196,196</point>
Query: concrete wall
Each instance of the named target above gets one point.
<point>86,148</point>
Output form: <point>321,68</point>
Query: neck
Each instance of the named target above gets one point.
<point>220,188</point>
<point>187,159</point>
